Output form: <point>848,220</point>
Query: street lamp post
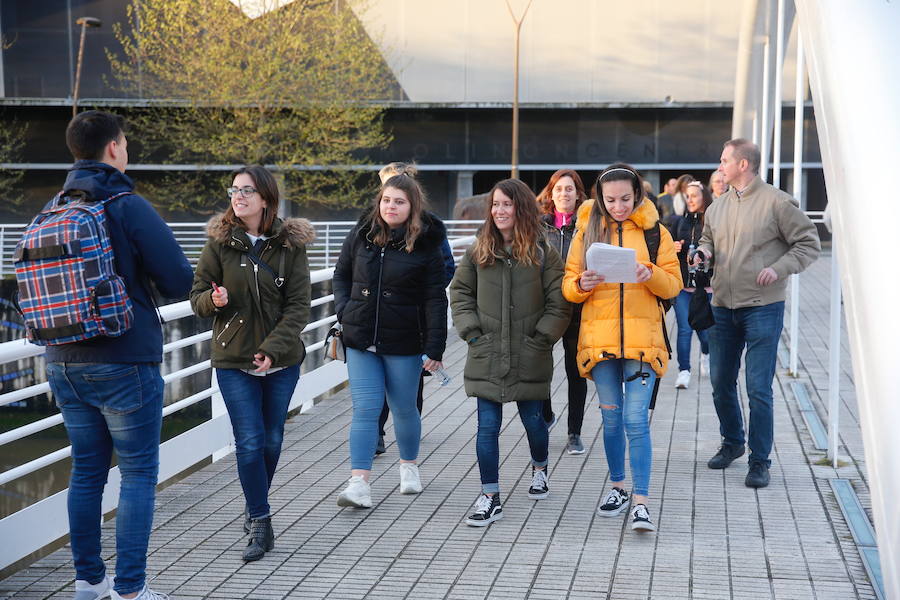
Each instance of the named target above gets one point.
<point>85,22</point>
<point>515,120</point>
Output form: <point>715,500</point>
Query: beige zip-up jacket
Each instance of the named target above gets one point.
<point>747,232</point>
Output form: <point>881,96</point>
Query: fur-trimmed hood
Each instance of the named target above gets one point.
<point>644,216</point>
<point>294,232</point>
<point>433,230</point>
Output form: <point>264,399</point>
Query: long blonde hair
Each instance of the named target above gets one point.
<point>527,230</point>
<point>380,230</point>
<point>597,229</point>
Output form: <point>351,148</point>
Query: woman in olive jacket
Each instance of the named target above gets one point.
<point>390,300</point>
<point>253,279</point>
<point>507,304</point>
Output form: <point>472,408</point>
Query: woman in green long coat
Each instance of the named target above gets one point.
<point>507,304</point>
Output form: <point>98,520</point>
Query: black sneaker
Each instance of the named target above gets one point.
<point>725,456</point>
<point>640,519</point>
<point>539,484</point>
<point>758,475</point>
<point>487,510</point>
<point>575,446</point>
<point>616,501</point>
<point>379,447</point>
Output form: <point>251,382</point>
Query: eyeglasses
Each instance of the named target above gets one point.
<point>245,191</point>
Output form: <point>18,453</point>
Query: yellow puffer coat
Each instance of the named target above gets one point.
<point>624,319</point>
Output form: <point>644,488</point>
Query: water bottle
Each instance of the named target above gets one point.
<point>440,372</point>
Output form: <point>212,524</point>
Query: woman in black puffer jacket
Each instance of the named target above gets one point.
<point>389,297</point>
<point>559,202</point>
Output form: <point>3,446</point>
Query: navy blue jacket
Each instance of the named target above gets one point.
<point>145,248</point>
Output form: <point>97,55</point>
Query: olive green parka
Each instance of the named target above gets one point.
<point>260,316</point>
<point>511,315</point>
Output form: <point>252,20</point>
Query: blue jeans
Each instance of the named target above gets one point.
<point>107,407</point>
<point>630,418</point>
<point>374,378</point>
<point>257,407</point>
<point>685,333</point>
<point>487,445</point>
<point>758,328</point>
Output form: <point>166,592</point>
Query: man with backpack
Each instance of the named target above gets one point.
<point>109,389</point>
<point>757,237</point>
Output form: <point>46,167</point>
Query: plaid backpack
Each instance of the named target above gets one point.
<point>68,288</point>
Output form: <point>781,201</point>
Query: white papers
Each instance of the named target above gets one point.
<point>616,264</point>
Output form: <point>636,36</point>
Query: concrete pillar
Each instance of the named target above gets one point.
<point>465,184</point>
<point>653,177</point>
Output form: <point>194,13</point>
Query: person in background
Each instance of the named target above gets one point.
<point>687,239</point>
<point>621,345</point>
<point>508,306</point>
<point>389,297</point>
<point>109,389</point>
<point>257,321</point>
<point>756,236</point>
<point>664,201</point>
<point>386,172</point>
<point>559,202</point>
<point>717,185</point>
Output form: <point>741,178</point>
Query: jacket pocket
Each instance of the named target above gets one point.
<point>225,335</point>
<point>535,361</point>
<point>480,358</point>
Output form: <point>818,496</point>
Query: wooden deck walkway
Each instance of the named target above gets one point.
<point>717,539</point>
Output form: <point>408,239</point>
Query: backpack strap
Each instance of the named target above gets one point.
<point>652,238</point>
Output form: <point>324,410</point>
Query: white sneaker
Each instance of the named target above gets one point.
<point>410,483</point>
<point>684,380</point>
<point>146,594</point>
<point>357,493</point>
<point>704,365</point>
<point>86,591</point>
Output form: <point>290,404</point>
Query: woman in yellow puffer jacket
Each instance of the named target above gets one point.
<point>621,345</point>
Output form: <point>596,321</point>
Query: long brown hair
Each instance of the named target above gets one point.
<point>545,198</point>
<point>267,187</point>
<point>597,229</point>
<point>380,230</point>
<point>527,228</point>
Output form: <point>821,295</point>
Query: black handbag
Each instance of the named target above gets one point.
<point>700,314</point>
<point>334,344</point>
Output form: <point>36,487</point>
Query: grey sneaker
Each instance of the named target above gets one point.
<point>575,446</point>
<point>86,591</point>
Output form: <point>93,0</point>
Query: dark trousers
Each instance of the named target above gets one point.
<point>385,411</point>
<point>577,387</point>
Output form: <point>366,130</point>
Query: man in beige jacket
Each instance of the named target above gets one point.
<point>757,237</point>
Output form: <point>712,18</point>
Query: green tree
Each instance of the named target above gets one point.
<point>298,86</point>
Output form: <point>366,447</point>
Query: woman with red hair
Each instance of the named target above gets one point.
<point>559,202</point>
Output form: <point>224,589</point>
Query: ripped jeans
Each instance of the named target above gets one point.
<point>629,419</point>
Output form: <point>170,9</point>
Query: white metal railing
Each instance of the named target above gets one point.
<point>322,253</point>
<point>43,522</point>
